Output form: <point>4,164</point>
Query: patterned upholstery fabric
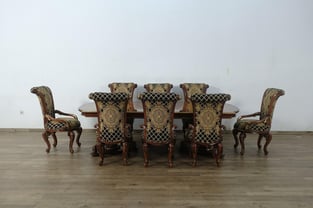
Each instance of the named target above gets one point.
<point>158,87</point>
<point>111,109</point>
<point>128,88</point>
<point>208,109</point>
<point>159,111</point>
<point>46,100</point>
<point>190,89</point>
<point>263,124</point>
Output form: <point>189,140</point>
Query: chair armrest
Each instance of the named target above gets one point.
<point>65,114</point>
<point>50,118</point>
<point>249,115</point>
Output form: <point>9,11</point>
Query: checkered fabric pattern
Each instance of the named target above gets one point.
<point>108,97</point>
<point>252,125</point>
<point>158,87</point>
<point>126,87</point>
<point>111,116</point>
<point>208,109</point>
<point>159,111</point>
<point>190,89</point>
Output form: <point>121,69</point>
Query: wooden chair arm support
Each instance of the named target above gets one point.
<point>50,118</point>
<point>249,115</point>
<point>65,114</point>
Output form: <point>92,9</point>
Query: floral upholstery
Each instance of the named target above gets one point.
<point>158,120</point>
<point>112,127</point>
<point>52,124</point>
<point>158,87</point>
<point>206,128</point>
<point>125,87</point>
<point>261,126</point>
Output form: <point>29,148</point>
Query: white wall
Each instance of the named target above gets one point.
<point>77,47</point>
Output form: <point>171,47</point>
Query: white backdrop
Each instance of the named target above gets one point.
<point>77,47</point>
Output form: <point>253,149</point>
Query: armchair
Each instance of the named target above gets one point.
<point>261,126</point>
<point>52,124</point>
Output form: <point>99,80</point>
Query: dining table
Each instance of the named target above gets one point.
<point>89,110</point>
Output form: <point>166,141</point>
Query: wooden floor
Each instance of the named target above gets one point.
<point>31,178</point>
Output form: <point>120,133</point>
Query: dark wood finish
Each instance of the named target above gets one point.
<point>89,110</point>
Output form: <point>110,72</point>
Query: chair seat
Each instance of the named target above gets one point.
<point>251,125</point>
<point>63,124</point>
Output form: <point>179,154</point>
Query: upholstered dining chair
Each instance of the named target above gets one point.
<point>112,128</point>
<point>206,129</point>
<point>158,87</point>
<point>158,127</point>
<point>190,89</point>
<point>67,123</point>
<point>126,87</point>
<point>262,125</point>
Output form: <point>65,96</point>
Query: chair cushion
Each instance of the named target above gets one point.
<point>63,124</point>
<point>251,125</point>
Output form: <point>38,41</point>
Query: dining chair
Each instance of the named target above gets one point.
<point>126,87</point>
<point>190,89</point>
<point>112,128</point>
<point>206,130</point>
<point>262,125</point>
<point>158,127</point>
<point>66,123</point>
<point>158,87</point>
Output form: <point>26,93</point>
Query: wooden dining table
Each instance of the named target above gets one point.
<point>90,110</point>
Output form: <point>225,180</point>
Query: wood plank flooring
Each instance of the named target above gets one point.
<point>30,178</point>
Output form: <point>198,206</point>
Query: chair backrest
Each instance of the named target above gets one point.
<point>190,89</point>
<point>111,108</point>
<point>158,116</point>
<point>126,87</point>
<point>45,97</point>
<point>269,100</point>
<point>158,87</point>
<point>207,113</point>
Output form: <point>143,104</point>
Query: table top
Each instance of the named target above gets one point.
<point>90,110</point>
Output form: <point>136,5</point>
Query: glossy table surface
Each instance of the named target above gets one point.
<point>89,110</point>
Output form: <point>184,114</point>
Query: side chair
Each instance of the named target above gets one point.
<point>126,87</point>
<point>158,127</point>
<point>206,129</point>
<point>112,128</point>
<point>190,89</point>
<point>68,123</point>
<point>262,125</point>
